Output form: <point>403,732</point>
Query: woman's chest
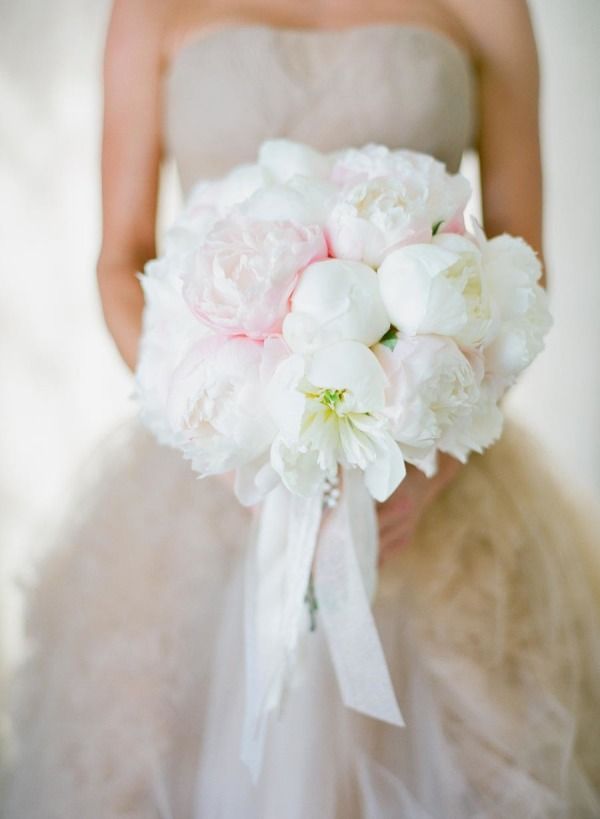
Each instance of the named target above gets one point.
<point>400,85</point>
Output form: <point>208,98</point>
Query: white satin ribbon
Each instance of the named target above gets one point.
<point>348,543</point>
<point>277,573</point>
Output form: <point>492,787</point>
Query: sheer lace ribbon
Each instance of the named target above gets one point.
<point>292,532</point>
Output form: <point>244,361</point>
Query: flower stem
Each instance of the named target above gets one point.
<point>311,603</point>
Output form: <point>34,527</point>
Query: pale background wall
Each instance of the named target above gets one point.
<point>62,384</point>
<point>560,397</point>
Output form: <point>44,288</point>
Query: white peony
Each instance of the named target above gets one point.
<point>328,407</point>
<point>169,328</point>
<point>390,198</point>
<point>431,386</point>
<point>372,217</point>
<point>439,288</point>
<point>477,430</point>
<point>513,271</point>
<point>216,404</point>
<point>335,301</point>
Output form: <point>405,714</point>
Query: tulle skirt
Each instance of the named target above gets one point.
<point>131,698</point>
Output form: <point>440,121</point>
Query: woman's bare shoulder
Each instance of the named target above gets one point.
<point>498,30</point>
<point>139,30</point>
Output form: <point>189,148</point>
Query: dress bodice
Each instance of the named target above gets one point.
<point>401,85</point>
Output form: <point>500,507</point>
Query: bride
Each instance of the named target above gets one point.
<point>130,703</point>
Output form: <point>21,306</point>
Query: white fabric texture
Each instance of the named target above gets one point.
<point>397,85</point>
<point>131,701</point>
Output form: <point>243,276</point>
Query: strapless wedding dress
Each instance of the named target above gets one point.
<point>130,703</point>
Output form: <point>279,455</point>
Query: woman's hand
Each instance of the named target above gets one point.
<point>122,304</point>
<point>399,516</point>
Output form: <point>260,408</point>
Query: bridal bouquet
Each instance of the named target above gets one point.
<point>315,323</point>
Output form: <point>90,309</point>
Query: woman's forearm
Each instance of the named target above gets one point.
<point>122,304</point>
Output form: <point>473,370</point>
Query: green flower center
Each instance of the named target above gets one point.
<point>331,398</point>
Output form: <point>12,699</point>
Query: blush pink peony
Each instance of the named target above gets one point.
<point>240,280</point>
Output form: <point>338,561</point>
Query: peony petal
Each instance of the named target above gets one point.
<point>387,471</point>
<point>335,301</point>
<point>413,302</point>
<point>349,365</point>
<point>301,200</point>
<point>285,402</point>
<point>283,159</point>
<point>299,471</point>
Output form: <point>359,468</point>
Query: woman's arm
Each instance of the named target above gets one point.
<point>509,146</point>
<point>131,151</point>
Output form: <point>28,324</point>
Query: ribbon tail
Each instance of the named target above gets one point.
<point>341,568</point>
<point>277,570</point>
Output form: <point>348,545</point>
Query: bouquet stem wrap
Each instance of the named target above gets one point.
<point>291,535</point>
